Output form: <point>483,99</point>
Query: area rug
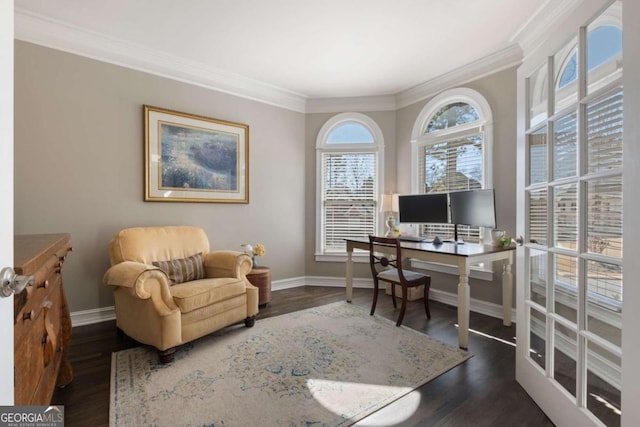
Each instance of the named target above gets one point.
<point>326,366</point>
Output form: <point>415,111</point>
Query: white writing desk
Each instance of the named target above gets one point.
<point>462,256</point>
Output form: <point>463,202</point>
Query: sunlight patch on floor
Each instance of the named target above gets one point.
<point>321,391</point>
<point>482,334</point>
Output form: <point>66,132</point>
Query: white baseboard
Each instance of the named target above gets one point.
<point>87,317</point>
<point>97,315</point>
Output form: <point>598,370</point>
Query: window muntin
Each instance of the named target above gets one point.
<point>349,172</point>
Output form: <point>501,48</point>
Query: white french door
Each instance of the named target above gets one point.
<point>6,196</point>
<point>571,187</point>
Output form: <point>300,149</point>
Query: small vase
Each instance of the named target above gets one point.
<point>255,261</point>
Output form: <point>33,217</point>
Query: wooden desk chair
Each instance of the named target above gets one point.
<point>395,275</point>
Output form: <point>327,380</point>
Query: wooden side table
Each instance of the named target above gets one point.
<point>260,277</point>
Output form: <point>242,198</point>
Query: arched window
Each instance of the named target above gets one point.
<point>451,150</point>
<point>348,172</point>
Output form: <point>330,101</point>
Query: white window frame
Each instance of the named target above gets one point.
<point>323,147</point>
<point>420,139</point>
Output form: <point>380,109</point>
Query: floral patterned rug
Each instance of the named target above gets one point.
<point>326,366</point>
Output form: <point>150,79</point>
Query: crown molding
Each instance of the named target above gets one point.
<point>356,103</point>
<point>534,32</point>
<point>490,64</point>
<point>58,35</point>
<point>51,33</point>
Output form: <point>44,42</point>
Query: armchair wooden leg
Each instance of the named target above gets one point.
<point>375,296</point>
<point>166,356</point>
<point>250,321</point>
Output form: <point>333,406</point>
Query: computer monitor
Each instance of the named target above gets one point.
<point>423,208</point>
<point>476,208</point>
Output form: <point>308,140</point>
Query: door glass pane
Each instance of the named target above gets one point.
<point>538,279</point>
<point>565,146</point>
<point>565,65</point>
<point>565,216</point>
<point>564,354</point>
<point>565,286</point>
<point>604,300</point>
<point>604,132</point>
<point>538,337</point>
<point>604,48</point>
<point>538,216</point>
<point>538,96</point>
<point>538,156</point>
<point>604,320</point>
<point>603,384</point>
<point>604,216</point>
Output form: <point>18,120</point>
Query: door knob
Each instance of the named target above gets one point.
<point>520,240</point>
<point>12,283</point>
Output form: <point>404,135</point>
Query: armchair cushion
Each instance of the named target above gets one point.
<point>201,293</point>
<point>182,270</point>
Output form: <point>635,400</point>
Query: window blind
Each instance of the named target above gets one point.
<point>452,165</point>
<point>349,197</point>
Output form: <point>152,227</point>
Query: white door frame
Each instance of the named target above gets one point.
<point>6,196</point>
<point>631,177</point>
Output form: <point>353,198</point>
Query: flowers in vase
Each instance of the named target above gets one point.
<point>254,251</point>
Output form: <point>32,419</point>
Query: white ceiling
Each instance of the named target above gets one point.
<point>309,48</point>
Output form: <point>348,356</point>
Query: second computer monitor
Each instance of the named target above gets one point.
<point>476,208</point>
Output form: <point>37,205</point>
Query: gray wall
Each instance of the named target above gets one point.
<point>79,162</point>
<point>79,159</point>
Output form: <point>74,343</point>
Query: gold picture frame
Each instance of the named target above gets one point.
<point>190,158</point>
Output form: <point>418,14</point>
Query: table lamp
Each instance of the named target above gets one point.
<point>390,205</point>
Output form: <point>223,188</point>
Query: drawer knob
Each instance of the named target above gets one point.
<point>44,284</point>
<point>28,315</point>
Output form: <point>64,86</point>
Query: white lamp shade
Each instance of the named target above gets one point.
<point>389,203</point>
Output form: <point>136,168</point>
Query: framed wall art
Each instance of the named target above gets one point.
<point>190,158</point>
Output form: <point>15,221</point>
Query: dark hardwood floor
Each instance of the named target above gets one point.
<point>480,392</point>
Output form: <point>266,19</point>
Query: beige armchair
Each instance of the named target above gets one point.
<point>169,289</point>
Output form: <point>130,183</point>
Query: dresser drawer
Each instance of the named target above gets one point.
<point>45,284</point>
<point>29,361</point>
<point>42,325</point>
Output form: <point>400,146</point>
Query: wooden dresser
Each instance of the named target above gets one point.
<point>42,325</point>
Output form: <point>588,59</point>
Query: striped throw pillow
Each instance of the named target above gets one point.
<point>182,270</point>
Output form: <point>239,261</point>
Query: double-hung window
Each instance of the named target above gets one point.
<point>451,151</point>
<point>349,173</point>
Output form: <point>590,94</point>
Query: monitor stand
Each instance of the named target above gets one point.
<point>455,236</point>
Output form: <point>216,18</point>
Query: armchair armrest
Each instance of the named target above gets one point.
<point>143,281</point>
<point>227,264</point>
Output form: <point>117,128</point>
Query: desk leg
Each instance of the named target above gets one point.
<point>349,273</point>
<point>463,304</point>
<point>507,291</point>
